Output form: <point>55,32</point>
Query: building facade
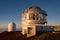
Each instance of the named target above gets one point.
<point>34,20</point>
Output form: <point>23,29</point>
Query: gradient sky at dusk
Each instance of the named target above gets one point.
<point>11,10</point>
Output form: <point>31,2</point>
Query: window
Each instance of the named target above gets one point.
<point>37,18</point>
<point>34,16</point>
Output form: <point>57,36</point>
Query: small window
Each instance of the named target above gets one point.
<point>33,18</point>
<point>33,15</point>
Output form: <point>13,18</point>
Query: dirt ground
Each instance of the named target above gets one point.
<point>19,36</point>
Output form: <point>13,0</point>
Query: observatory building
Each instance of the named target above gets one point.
<point>34,20</point>
<point>11,27</point>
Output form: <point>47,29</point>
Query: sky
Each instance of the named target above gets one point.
<point>11,10</point>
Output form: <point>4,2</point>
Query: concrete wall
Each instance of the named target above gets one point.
<point>40,29</point>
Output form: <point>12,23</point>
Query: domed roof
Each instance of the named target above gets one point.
<point>33,8</point>
<point>44,12</point>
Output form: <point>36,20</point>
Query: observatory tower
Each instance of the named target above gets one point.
<point>11,27</point>
<point>32,18</point>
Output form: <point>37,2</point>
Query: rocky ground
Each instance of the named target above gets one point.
<point>19,36</point>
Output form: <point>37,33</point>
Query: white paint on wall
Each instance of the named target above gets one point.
<point>11,27</point>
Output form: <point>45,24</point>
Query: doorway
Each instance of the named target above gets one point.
<point>29,30</point>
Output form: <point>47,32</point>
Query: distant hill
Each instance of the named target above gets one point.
<point>18,36</point>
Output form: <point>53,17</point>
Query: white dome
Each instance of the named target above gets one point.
<point>11,27</point>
